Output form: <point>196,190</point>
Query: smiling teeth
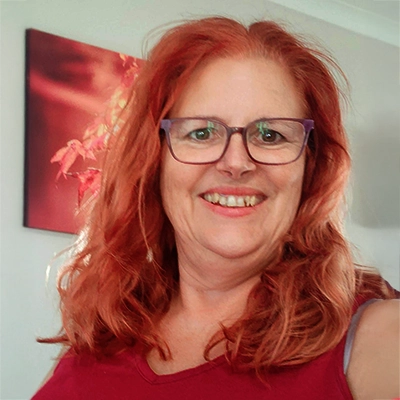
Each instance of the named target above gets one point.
<point>231,201</point>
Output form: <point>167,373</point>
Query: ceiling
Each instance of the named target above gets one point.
<point>382,8</point>
<point>378,19</point>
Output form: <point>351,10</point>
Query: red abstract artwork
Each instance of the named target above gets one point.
<point>74,92</point>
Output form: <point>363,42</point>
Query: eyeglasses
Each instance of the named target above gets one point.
<point>273,141</point>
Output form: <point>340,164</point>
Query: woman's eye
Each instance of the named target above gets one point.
<point>270,136</point>
<point>263,133</point>
<point>201,134</point>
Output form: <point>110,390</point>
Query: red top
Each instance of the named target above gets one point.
<point>128,376</point>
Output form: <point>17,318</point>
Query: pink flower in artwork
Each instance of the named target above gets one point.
<point>96,136</point>
<point>67,155</point>
<point>88,180</point>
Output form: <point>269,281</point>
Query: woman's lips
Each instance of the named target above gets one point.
<point>233,197</point>
<point>231,200</point>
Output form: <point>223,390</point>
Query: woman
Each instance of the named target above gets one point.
<point>213,265</point>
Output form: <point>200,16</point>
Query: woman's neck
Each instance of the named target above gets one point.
<point>217,300</point>
<point>195,316</point>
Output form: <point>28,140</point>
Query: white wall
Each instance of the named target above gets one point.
<point>28,308</point>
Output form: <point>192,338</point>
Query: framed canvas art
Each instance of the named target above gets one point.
<point>73,93</point>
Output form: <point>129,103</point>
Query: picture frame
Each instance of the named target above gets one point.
<point>73,94</point>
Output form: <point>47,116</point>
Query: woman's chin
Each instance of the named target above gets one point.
<point>243,249</point>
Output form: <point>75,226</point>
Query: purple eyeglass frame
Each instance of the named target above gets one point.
<point>307,123</point>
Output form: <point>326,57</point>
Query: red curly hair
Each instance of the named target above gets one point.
<point>124,273</point>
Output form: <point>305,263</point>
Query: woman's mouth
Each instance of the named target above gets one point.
<point>233,200</point>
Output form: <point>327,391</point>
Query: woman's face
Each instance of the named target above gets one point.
<point>236,92</point>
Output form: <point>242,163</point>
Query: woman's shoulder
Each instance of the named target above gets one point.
<point>373,371</point>
<point>84,376</point>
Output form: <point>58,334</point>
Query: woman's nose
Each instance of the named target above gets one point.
<point>235,162</point>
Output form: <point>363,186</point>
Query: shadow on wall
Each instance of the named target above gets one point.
<point>376,177</point>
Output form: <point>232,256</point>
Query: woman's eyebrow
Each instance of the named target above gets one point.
<point>224,121</point>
